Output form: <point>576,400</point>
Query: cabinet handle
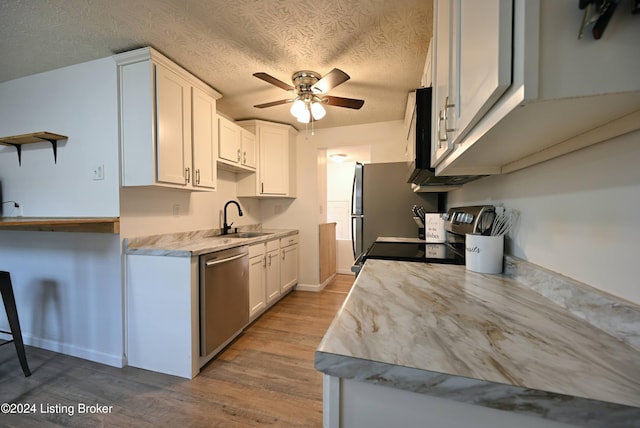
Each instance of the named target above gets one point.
<point>441,117</point>
<point>283,254</point>
<point>198,176</point>
<point>238,155</point>
<point>261,187</point>
<point>270,259</point>
<point>264,262</point>
<point>244,157</point>
<point>447,105</point>
<point>187,173</point>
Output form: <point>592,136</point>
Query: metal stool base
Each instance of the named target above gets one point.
<point>12,315</point>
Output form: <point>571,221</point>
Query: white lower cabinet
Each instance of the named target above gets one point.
<point>273,270</point>
<point>349,403</point>
<point>257,290</point>
<point>289,262</point>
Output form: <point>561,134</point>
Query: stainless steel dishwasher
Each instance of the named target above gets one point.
<point>224,297</point>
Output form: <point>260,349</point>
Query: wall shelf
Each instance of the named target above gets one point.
<point>36,137</point>
<point>68,224</point>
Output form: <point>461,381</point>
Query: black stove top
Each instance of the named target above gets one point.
<point>415,252</point>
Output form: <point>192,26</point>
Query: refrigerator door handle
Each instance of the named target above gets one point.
<point>353,236</point>
<point>355,222</point>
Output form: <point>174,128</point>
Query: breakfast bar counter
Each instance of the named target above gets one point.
<point>485,340</point>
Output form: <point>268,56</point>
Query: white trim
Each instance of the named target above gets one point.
<point>74,351</point>
<point>315,287</point>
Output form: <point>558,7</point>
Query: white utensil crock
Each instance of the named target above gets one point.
<point>483,254</point>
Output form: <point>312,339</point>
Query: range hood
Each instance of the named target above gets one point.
<point>420,171</point>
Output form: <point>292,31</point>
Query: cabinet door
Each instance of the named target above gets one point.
<point>273,275</point>
<point>289,267</point>
<point>205,140</point>
<point>442,69</point>
<point>274,161</point>
<point>173,122</point>
<point>230,140</point>
<point>257,291</point>
<point>249,152</point>
<point>484,37</point>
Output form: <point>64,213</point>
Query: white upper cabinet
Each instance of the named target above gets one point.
<point>168,125</point>
<point>276,173</point>
<point>249,152</point>
<point>173,99</point>
<point>442,79</point>
<point>205,140</point>
<point>237,147</point>
<point>514,86</point>
<point>481,75</point>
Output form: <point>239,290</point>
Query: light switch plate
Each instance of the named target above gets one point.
<point>98,172</point>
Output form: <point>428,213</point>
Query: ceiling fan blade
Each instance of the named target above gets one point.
<point>343,102</point>
<point>270,79</point>
<point>330,80</point>
<point>273,103</point>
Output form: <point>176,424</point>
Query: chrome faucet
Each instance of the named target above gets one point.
<point>226,227</point>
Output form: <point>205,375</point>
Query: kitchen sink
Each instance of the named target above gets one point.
<point>247,234</point>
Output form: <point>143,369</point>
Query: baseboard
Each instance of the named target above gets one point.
<point>315,287</point>
<point>75,351</point>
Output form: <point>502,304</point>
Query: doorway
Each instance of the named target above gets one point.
<point>340,168</point>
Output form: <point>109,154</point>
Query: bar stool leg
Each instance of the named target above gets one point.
<point>12,315</point>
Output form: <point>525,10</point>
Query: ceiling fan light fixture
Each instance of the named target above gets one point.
<point>304,116</point>
<point>298,107</point>
<point>317,110</point>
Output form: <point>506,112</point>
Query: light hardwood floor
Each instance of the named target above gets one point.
<point>264,378</point>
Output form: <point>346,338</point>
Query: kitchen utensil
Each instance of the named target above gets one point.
<point>503,221</point>
<point>485,222</point>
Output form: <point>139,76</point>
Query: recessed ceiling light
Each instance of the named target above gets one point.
<point>338,157</point>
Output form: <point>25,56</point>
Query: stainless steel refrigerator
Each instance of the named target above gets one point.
<point>381,203</point>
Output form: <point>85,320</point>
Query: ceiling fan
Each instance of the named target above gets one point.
<point>310,89</point>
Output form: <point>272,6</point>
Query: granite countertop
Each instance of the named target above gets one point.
<point>483,339</point>
<point>196,243</point>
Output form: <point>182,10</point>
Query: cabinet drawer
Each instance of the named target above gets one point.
<point>256,250</point>
<point>289,240</point>
<point>273,245</point>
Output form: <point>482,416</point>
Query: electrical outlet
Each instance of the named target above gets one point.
<point>176,210</point>
<point>18,209</point>
<point>98,172</point>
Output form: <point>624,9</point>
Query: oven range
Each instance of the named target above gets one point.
<point>458,222</point>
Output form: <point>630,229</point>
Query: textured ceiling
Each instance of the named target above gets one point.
<point>381,44</point>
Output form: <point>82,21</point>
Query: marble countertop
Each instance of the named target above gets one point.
<point>484,339</point>
<point>196,243</point>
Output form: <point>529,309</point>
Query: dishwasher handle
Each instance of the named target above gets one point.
<point>228,259</point>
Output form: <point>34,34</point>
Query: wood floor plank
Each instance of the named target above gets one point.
<point>264,378</point>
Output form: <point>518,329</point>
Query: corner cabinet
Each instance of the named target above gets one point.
<point>276,172</point>
<point>289,262</point>
<point>168,124</point>
<point>237,147</point>
<point>514,86</point>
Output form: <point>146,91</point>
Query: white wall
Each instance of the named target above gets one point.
<point>81,103</point>
<point>68,292</point>
<point>579,213</point>
<point>150,211</point>
<point>387,141</point>
<point>67,285</point>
